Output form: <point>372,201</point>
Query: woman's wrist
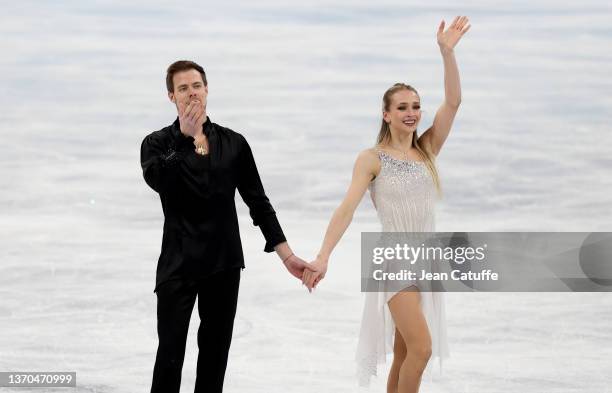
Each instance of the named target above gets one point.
<point>323,257</point>
<point>446,51</point>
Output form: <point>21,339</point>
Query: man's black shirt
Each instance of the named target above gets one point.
<point>201,234</point>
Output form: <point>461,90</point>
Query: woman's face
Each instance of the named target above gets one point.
<point>404,111</point>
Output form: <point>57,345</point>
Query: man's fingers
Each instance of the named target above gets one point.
<point>202,116</point>
<point>310,267</point>
<point>200,113</point>
<point>195,113</point>
<point>188,109</point>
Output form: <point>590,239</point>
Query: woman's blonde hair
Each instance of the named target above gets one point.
<point>384,136</point>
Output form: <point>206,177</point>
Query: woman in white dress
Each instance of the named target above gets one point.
<point>401,175</point>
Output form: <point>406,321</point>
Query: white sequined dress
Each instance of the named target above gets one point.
<point>404,195</point>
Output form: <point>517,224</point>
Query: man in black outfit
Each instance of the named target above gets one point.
<point>196,166</point>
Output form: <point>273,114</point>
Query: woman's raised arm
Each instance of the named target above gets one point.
<point>435,136</point>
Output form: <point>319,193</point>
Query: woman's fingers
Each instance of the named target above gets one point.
<point>309,282</point>
<point>317,280</point>
<point>460,22</point>
<point>318,277</point>
<point>441,27</point>
<point>306,277</point>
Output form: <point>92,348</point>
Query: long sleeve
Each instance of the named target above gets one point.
<point>252,192</point>
<point>160,166</point>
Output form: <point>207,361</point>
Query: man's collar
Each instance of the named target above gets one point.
<point>176,129</point>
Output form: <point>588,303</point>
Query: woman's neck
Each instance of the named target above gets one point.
<point>400,141</point>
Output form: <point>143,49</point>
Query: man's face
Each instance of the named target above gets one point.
<point>188,87</point>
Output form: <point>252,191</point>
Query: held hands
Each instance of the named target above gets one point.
<point>449,38</point>
<point>298,267</point>
<point>312,277</point>
<point>192,117</point>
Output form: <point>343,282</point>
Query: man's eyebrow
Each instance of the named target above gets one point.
<point>407,103</point>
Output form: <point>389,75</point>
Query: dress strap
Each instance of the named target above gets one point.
<point>383,156</point>
<point>379,151</point>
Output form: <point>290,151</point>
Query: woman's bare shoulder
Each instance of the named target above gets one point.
<point>368,161</point>
<point>369,155</point>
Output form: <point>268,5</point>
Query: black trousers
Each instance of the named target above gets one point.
<point>217,298</point>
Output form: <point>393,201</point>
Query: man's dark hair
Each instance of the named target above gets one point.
<point>182,65</point>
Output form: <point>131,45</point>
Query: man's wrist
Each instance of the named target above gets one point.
<point>186,133</point>
<point>283,251</point>
<point>288,257</point>
<point>199,139</point>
